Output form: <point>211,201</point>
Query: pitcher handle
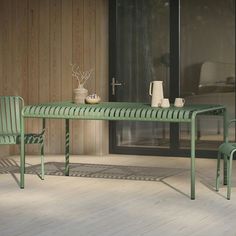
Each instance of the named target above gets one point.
<point>150,88</point>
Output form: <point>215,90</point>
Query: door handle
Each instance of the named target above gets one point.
<point>114,83</point>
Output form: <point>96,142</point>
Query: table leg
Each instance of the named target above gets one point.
<point>67,146</point>
<point>22,155</point>
<point>193,140</point>
<point>225,137</point>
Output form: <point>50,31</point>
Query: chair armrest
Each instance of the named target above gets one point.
<point>43,126</point>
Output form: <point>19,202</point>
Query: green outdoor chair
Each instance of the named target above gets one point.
<point>227,150</point>
<point>10,125</point>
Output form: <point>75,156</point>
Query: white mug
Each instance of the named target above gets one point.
<point>179,102</point>
<point>165,103</point>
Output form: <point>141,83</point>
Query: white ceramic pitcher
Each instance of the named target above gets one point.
<point>156,91</point>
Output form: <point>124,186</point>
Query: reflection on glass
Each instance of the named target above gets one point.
<point>142,56</point>
<point>141,134</point>
<point>208,64</point>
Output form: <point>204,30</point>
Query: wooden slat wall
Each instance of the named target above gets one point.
<point>44,55</point>
<point>38,41</point>
<point>33,64</point>
<point>3,49</point>
<point>55,71</point>
<point>89,62</point>
<point>78,56</point>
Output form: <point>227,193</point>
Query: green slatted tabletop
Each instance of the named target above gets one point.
<point>120,111</point>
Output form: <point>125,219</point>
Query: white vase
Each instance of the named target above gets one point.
<point>156,91</point>
<point>80,94</point>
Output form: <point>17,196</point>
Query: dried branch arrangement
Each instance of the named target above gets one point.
<point>79,75</point>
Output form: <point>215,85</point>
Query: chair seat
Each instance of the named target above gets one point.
<point>227,148</point>
<point>15,138</point>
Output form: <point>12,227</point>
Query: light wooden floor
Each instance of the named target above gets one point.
<point>108,206</point>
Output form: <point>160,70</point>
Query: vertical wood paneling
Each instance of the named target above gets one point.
<point>38,41</point>
<point>19,56</point>
<point>1,44</point>
<point>66,58</point>
<point>1,47</point>
<point>21,47</point>
<point>78,55</point>
<point>13,35</point>
<point>33,52</point>
<point>55,71</point>
<point>3,35</point>
<point>33,62</point>
<point>4,150</point>
<point>102,71</point>
<point>89,63</point>
<point>9,49</point>
<point>8,52</point>
<point>44,60</point>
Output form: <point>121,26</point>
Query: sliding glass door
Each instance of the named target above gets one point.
<point>186,44</point>
<point>141,52</point>
<point>207,72</point>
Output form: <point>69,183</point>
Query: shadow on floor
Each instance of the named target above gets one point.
<point>160,174</point>
<point>107,171</point>
<point>9,166</point>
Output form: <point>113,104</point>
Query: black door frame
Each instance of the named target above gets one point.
<point>174,88</point>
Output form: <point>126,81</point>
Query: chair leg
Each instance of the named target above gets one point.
<point>229,175</point>
<point>42,160</point>
<point>218,171</point>
<point>25,158</point>
<point>225,182</point>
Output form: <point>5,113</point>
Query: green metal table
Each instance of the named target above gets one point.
<point>118,112</point>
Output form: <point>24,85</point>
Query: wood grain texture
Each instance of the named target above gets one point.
<point>55,71</point>
<point>33,68</point>
<point>101,84</point>
<point>4,149</point>
<point>20,55</point>
<point>101,72</point>
<point>62,205</point>
<point>38,41</point>
<point>8,51</point>
<point>66,57</point>
<point>89,63</point>
<point>78,58</point>
<point>44,58</point>
<point>1,46</point>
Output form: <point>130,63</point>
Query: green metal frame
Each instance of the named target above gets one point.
<point>11,126</point>
<point>120,111</point>
<point>227,150</point>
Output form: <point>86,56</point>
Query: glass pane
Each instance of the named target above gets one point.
<point>142,56</point>
<point>208,64</point>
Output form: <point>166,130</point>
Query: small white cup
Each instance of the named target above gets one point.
<point>179,102</point>
<point>165,103</point>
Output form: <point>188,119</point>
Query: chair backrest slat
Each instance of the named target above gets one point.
<point>18,107</point>
<point>3,116</point>
<point>10,114</point>
<point>1,121</point>
<point>1,126</point>
<point>13,115</point>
